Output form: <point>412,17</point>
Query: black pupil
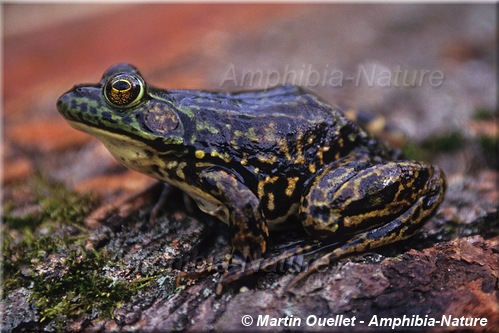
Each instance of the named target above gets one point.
<point>121,85</point>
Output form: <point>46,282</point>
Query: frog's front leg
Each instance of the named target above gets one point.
<point>378,205</point>
<point>249,232</point>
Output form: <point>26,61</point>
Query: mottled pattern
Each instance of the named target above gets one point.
<point>253,159</point>
<point>351,197</point>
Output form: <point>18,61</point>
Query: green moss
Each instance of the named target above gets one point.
<point>489,144</point>
<point>59,204</point>
<point>444,143</point>
<point>483,114</point>
<point>66,280</point>
<point>447,142</point>
<point>29,220</point>
<point>53,201</point>
<point>490,149</point>
<point>415,151</point>
<point>46,250</point>
<point>80,289</point>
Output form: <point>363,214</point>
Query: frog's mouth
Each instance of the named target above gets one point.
<point>100,134</point>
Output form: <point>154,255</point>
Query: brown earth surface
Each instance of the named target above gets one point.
<point>450,268</point>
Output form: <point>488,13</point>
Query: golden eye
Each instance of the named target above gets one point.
<point>124,90</point>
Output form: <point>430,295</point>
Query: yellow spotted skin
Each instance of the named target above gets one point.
<point>256,159</point>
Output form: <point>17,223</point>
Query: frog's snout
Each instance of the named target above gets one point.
<point>62,103</point>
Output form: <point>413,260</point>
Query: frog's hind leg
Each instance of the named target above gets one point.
<point>166,191</point>
<point>401,228</point>
<point>379,205</point>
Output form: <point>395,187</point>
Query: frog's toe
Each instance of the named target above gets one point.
<point>238,269</point>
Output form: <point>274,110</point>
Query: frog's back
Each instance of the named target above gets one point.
<point>277,131</point>
<point>285,101</point>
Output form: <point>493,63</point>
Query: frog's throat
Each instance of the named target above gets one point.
<point>133,153</point>
<point>138,156</point>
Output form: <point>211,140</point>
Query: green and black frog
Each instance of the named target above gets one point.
<point>255,159</point>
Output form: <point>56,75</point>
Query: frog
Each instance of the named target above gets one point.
<point>257,159</point>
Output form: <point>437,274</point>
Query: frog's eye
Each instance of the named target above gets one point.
<point>124,90</point>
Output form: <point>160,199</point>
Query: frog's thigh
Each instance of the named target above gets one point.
<point>249,230</point>
<point>341,202</point>
<point>401,227</point>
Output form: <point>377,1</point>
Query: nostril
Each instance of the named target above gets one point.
<point>79,90</point>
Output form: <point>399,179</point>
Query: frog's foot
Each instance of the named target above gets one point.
<point>232,270</point>
<point>163,197</point>
<point>239,270</point>
<point>197,274</point>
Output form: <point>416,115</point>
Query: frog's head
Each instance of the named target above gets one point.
<point>122,113</point>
